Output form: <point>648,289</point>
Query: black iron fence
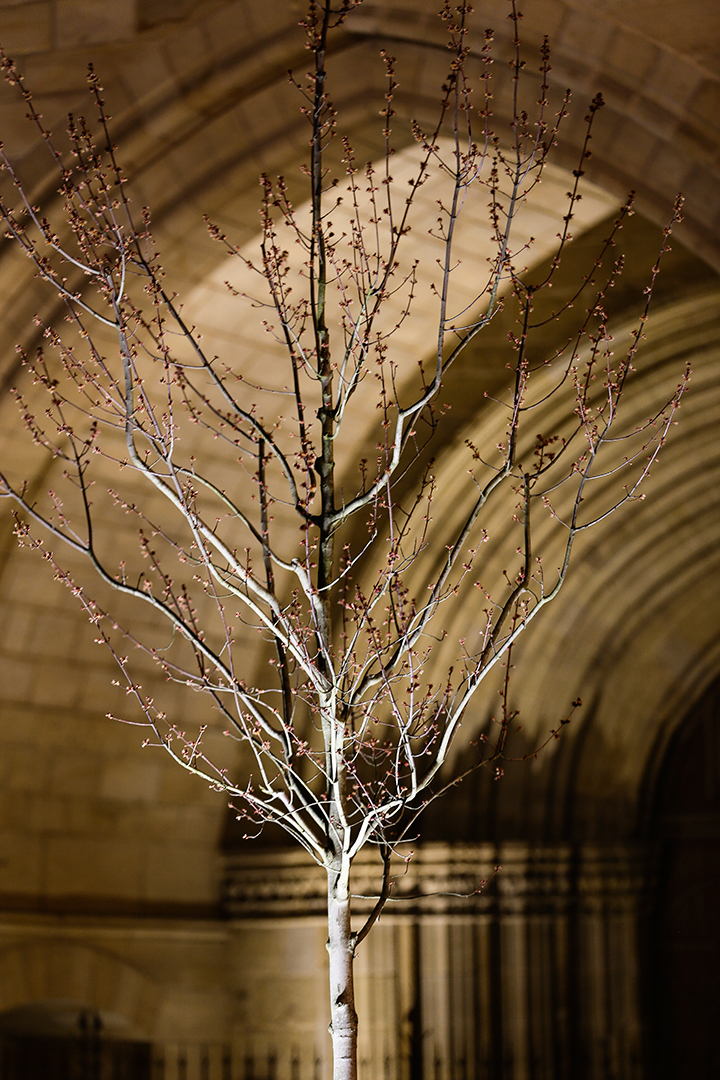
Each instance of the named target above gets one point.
<point>31,1057</point>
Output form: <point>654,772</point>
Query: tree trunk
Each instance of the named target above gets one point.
<point>343,1018</point>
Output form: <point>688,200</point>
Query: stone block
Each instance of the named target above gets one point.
<point>155,12</point>
<point>88,817</point>
<point>14,989</point>
<point>135,778</point>
<point>27,768</point>
<point>84,866</point>
<point>181,787</point>
<point>187,49</point>
<point>56,634</point>
<point>81,22</point>
<point>539,21</point>
<point>705,108</point>
<point>17,623</point>
<point>633,58</point>
<point>180,872</point>
<point>21,862</point>
<point>198,826</point>
<point>233,22</point>
<point>17,676</point>
<point>74,769</point>
<point>55,684</point>
<point>275,949</point>
<point>297,1005</point>
<point>589,39</point>
<point>97,694</point>
<point>189,1016</point>
<point>47,814</point>
<point>672,80</point>
<point>27,28</point>
<point>146,74</point>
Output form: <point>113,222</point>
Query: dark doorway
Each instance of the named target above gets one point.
<point>685,985</point>
<point>46,1043</point>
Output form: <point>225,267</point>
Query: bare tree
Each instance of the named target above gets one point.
<point>348,738</point>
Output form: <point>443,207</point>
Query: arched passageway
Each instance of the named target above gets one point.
<point>684,991</point>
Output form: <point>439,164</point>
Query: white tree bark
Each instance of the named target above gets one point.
<point>343,1017</point>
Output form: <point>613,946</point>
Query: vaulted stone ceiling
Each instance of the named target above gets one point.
<point>201,105</point>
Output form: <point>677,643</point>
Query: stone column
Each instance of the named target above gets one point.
<point>534,977</point>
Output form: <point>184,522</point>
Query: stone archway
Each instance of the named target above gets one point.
<point>55,974</point>
<point>67,1010</point>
